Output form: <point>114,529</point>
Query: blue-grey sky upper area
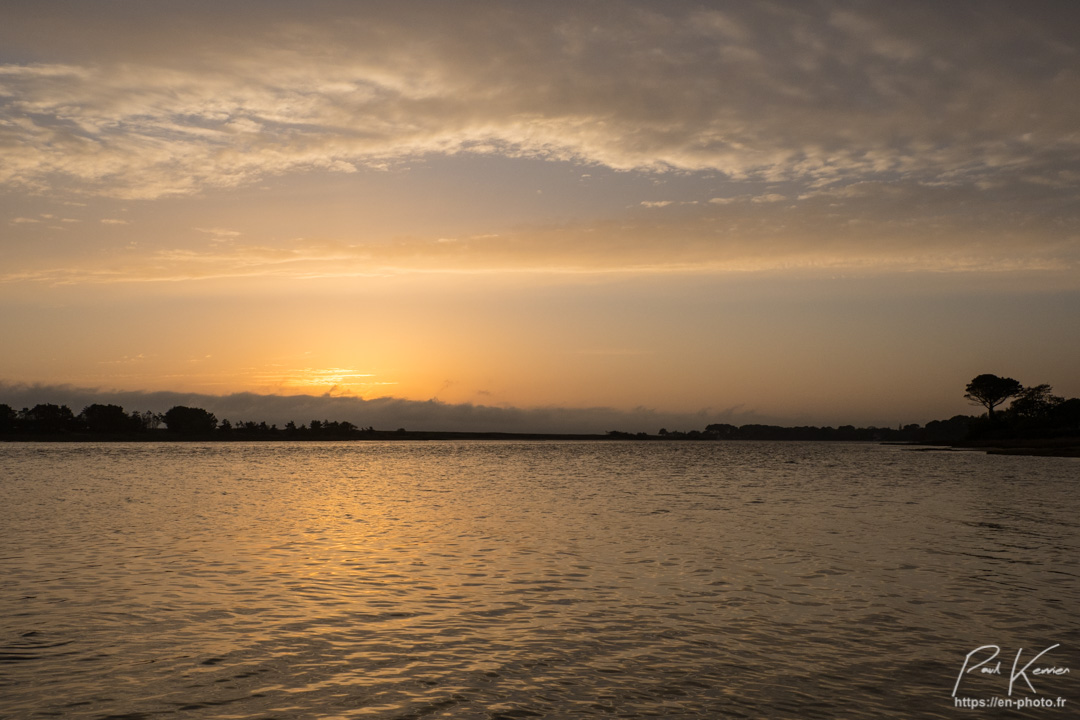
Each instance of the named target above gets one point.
<point>770,103</point>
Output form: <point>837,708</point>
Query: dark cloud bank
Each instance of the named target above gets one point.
<point>382,413</point>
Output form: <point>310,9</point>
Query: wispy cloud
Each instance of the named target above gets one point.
<point>867,227</point>
<point>126,360</point>
<point>343,380</point>
<point>220,232</point>
<point>772,136</point>
<point>777,92</point>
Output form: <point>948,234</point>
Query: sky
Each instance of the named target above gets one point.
<point>618,212</point>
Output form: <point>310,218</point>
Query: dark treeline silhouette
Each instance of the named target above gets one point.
<point>1033,414</point>
<point>49,420</point>
<point>180,422</point>
<point>938,431</point>
<point>1035,417</point>
<point>318,430</point>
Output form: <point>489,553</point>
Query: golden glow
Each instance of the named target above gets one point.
<point>342,381</point>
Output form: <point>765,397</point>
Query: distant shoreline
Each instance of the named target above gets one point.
<point>1044,447</point>
<point>368,435</point>
<point>1054,447</point>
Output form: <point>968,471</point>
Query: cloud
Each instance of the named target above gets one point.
<point>789,135</point>
<point>666,203</point>
<point>220,235</point>
<point>868,226</point>
<point>126,360</point>
<point>382,413</point>
<point>774,92</point>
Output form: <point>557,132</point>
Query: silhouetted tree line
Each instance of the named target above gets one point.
<point>112,421</point>
<point>49,419</point>
<point>317,430</point>
<point>1034,412</point>
<point>937,431</point>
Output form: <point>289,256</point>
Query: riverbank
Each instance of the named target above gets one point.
<point>1048,447</point>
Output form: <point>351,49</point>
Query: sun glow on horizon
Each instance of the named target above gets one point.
<point>343,381</point>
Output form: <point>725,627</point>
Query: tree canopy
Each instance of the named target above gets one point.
<point>100,418</point>
<point>190,421</point>
<point>990,391</point>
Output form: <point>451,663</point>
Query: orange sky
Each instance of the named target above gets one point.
<point>825,215</point>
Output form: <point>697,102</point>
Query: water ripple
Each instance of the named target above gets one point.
<point>516,580</point>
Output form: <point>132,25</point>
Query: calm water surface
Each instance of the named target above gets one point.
<point>514,580</point>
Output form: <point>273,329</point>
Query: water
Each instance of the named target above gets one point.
<point>513,580</point>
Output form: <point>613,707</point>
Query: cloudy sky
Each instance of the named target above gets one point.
<point>811,212</point>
